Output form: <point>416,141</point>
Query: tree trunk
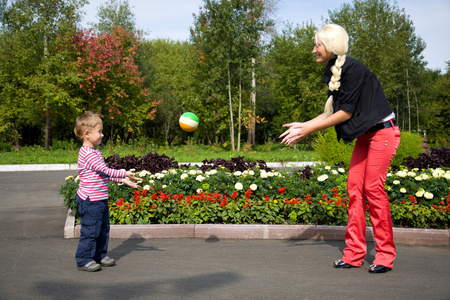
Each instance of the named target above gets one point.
<point>48,129</point>
<point>231,110</point>
<point>252,126</point>
<point>409,102</point>
<point>239,113</point>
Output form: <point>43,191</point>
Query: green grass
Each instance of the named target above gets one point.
<point>68,153</point>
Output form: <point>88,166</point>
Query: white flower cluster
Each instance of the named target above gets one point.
<point>264,174</point>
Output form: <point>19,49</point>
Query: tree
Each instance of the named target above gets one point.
<point>35,25</point>
<point>168,69</point>
<point>111,83</point>
<point>442,106</point>
<point>115,13</point>
<point>295,82</point>
<point>227,35</point>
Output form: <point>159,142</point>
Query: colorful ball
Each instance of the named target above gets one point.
<point>188,121</point>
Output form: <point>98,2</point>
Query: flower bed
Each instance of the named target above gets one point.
<point>312,196</point>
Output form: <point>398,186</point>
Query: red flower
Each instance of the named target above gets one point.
<point>248,194</point>
<point>154,206</point>
<point>281,190</point>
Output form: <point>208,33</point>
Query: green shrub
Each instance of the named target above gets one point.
<point>65,145</point>
<point>410,145</point>
<point>5,147</point>
<point>330,150</point>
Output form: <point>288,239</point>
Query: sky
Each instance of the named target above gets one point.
<point>172,19</point>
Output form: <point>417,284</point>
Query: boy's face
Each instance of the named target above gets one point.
<point>93,136</point>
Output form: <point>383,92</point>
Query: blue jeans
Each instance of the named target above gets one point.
<point>94,233</point>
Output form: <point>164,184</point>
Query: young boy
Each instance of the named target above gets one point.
<point>92,195</point>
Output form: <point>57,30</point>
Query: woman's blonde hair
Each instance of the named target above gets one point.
<point>335,40</point>
<point>86,121</point>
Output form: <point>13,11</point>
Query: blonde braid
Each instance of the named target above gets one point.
<point>334,83</point>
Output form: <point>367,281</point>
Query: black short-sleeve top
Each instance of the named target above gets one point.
<point>361,94</point>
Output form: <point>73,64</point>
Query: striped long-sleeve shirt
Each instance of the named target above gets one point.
<point>94,174</point>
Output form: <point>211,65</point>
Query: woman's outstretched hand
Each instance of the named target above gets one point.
<point>296,132</point>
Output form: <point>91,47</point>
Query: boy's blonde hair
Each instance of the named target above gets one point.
<point>335,40</point>
<point>86,121</point>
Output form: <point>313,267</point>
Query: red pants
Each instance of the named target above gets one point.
<point>369,166</point>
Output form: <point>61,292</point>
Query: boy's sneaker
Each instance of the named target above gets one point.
<point>107,262</point>
<point>91,266</point>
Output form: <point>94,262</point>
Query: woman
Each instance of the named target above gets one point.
<point>358,109</point>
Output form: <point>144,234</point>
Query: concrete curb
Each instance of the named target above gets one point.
<point>409,236</point>
<point>38,167</point>
<point>63,167</point>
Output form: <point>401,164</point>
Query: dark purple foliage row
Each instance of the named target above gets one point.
<point>154,162</point>
<point>437,158</point>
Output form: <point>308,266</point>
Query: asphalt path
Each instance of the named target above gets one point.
<point>36,262</point>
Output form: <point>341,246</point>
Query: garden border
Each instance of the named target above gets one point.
<point>409,236</point>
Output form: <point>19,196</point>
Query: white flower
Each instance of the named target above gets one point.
<point>192,172</point>
<point>418,178</point>
<point>69,177</point>
<point>425,176</point>
<point>403,190</point>
<point>401,174</point>
<point>438,173</point>
<point>143,173</point>
<point>199,172</point>
<point>173,171</point>
<point>238,186</point>
<point>322,177</point>
<point>199,178</point>
<point>327,168</point>
<point>164,186</point>
<point>77,178</point>
<point>389,174</point>
<point>334,172</point>
<point>251,172</point>
<point>164,171</point>
<point>411,174</point>
<point>199,191</point>
<point>420,193</point>
<point>184,176</point>
<point>428,195</point>
<point>253,187</point>
<point>447,176</point>
<point>341,170</point>
<point>211,172</point>
<point>396,182</point>
<point>152,181</point>
<point>263,174</point>
<point>146,187</point>
<point>237,173</point>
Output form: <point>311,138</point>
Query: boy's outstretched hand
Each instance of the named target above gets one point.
<point>130,183</point>
<point>127,181</point>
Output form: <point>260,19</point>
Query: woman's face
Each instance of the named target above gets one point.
<point>321,53</point>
